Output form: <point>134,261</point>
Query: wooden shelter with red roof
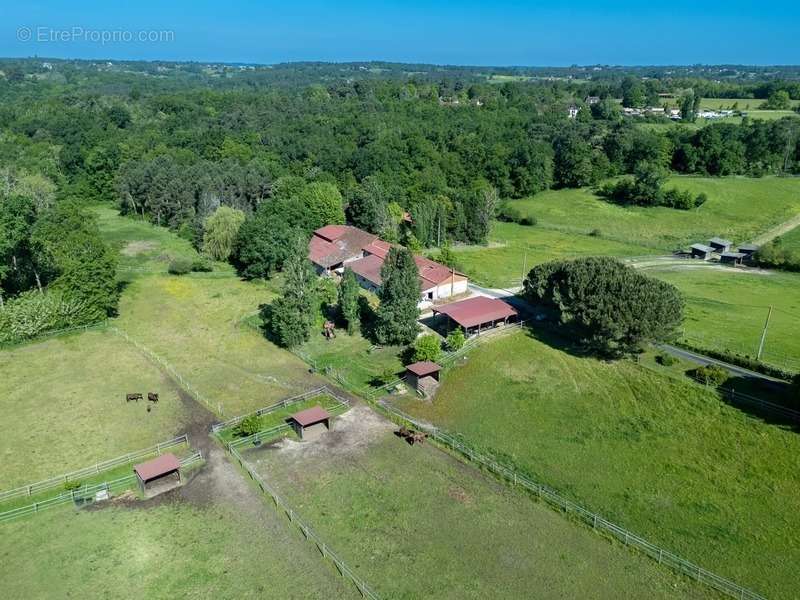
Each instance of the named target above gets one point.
<point>158,469</point>
<point>479,312</point>
<point>310,422</point>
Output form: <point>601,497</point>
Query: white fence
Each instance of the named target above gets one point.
<point>272,408</point>
<point>308,533</point>
<point>86,493</point>
<point>593,519</point>
<point>106,465</point>
<point>170,370</point>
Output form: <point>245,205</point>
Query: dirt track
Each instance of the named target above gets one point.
<point>781,229</point>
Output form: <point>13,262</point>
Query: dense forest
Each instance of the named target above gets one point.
<point>294,147</point>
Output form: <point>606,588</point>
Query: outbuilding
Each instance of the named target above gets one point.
<point>748,250</point>
<point>311,422</point>
<point>163,469</point>
<point>701,251</point>
<point>732,258</point>
<point>423,376</point>
<point>477,313</point>
<point>720,245</point>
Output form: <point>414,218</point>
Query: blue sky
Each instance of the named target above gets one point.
<point>473,33</point>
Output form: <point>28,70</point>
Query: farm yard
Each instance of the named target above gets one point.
<point>666,459</point>
<point>395,512</point>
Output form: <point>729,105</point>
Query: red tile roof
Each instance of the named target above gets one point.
<point>334,244</point>
<point>423,368</point>
<point>162,465</point>
<point>378,247</point>
<point>310,416</point>
<point>476,311</point>
<point>369,268</point>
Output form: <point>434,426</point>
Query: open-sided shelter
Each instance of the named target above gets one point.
<point>477,313</point>
<point>310,422</point>
<point>158,469</point>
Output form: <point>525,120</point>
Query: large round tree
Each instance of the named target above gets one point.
<point>609,307</point>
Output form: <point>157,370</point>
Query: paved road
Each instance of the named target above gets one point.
<point>703,360</point>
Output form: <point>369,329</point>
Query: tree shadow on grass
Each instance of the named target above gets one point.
<point>766,400</point>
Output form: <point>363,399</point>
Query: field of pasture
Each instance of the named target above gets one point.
<point>666,459</point>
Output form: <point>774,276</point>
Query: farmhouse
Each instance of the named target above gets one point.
<point>592,100</point>
<point>158,469</point>
<point>475,314</point>
<point>335,246</point>
<point>573,111</point>
<point>311,422</point>
<point>702,251</point>
<point>720,245</point>
<point>732,258</point>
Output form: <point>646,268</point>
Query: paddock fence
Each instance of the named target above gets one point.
<point>286,402</point>
<point>594,520</point>
<point>100,325</point>
<point>309,534</point>
<point>170,370</point>
<point>86,494</point>
<point>99,467</point>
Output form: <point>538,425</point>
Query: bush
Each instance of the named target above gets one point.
<point>511,214</point>
<point>180,266</point>
<point>456,340</point>
<point>249,426</point>
<point>72,485</point>
<point>427,347</point>
<point>201,265</point>
<point>528,221</point>
<point>666,360</point>
<point>32,313</point>
<point>595,232</point>
<point>710,375</point>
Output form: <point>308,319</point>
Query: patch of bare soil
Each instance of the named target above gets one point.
<point>138,247</point>
<point>353,432</point>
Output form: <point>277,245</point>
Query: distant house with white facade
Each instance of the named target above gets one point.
<point>573,111</point>
<point>334,247</point>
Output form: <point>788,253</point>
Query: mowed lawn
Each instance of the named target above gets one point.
<point>64,405</point>
<point>416,523</point>
<point>727,308</point>
<point>792,240</point>
<point>514,249</point>
<point>195,324</point>
<point>665,459</point>
<point>738,208</point>
<point>167,551</point>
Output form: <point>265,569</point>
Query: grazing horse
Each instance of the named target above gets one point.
<point>129,397</point>
<point>152,396</point>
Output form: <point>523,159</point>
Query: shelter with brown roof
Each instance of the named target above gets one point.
<point>423,376</point>
<point>160,469</point>
<point>477,313</point>
<point>333,246</point>
<point>311,422</point>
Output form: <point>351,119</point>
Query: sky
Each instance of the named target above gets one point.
<point>499,33</point>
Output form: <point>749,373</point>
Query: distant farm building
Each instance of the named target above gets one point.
<point>702,251</point>
<point>424,377</point>
<point>720,245</point>
<point>732,258</point>
<point>592,100</point>
<point>163,472</point>
<point>334,247</point>
<point>310,423</point>
<point>748,250</point>
<point>573,111</point>
<point>478,313</point>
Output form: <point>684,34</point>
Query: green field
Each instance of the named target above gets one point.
<point>141,245</point>
<point>171,550</point>
<point>743,103</point>
<point>514,249</point>
<point>792,239</point>
<point>67,398</point>
<point>415,523</point>
<point>737,208</point>
<point>665,459</point>
<point>728,309</point>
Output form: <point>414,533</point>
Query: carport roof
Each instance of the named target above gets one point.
<point>476,311</point>
<point>162,465</point>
